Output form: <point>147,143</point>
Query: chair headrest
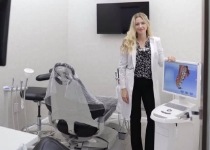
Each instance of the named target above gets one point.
<point>63,73</point>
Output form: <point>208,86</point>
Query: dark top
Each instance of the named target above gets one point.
<point>143,61</point>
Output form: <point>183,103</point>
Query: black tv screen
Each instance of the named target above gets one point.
<point>115,18</point>
<point>4,26</point>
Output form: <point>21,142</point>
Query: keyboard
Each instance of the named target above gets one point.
<point>176,106</point>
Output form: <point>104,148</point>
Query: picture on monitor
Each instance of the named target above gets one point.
<point>181,78</point>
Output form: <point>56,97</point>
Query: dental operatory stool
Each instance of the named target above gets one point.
<point>37,95</point>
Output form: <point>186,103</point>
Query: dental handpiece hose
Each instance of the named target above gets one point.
<point>23,105</point>
<point>16,106</point>
<point>12,101</point>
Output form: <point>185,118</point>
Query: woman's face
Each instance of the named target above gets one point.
<point>140,26</point>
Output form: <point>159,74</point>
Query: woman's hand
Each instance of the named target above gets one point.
<point>124,94</point>
<point>171,58</point>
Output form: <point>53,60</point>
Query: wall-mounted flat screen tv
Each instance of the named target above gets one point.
<point>4,26</point>
<point>115,18</point>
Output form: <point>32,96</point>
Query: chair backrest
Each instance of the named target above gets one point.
<point>69,99</point>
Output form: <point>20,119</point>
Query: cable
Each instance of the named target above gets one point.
<point>23,104</point>
<point>16,108</point>
<point>11,93</point>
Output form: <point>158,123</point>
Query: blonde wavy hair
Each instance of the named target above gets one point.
<point>131,36</point>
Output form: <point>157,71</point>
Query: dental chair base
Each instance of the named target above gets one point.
<point>41,128</point>
<point>104,141</point>
<point>112,132</point>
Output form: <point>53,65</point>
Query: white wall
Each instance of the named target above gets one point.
<point>37,39</point>
<point>95,56</point>
<point>179,24</point>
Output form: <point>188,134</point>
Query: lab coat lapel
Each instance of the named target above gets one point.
<point>134,55</point>
<point>155,78</point>
<point>152,42</point>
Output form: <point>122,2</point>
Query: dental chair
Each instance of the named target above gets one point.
<point>77,114</point>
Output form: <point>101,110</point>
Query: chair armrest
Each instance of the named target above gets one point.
<point>43,77</point>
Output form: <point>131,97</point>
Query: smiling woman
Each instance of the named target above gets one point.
<point>4,26</point>
<point>140,56</point>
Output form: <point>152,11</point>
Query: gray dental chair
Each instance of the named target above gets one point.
<point>79,115</point>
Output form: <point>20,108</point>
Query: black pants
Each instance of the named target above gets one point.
<point>142,90</point>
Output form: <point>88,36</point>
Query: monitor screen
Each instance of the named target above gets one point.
<point>115,18</point>
<point>181,78</point>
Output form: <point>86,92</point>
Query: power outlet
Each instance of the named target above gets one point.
<point>16,108</point>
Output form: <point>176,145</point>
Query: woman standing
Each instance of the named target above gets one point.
<point>141,54</point>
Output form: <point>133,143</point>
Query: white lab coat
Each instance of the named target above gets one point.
<point>126,74</point>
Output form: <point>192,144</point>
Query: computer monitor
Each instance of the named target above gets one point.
<point>182,79</point>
